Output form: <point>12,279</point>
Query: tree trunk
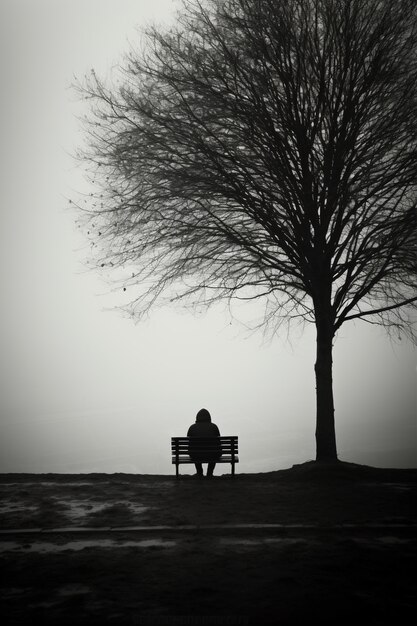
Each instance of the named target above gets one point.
<point>325,428</point>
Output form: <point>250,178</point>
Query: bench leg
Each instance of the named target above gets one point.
<point>233,469</point>
<point>176,470</point>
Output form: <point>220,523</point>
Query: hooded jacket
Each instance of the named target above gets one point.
<point>203,427</point>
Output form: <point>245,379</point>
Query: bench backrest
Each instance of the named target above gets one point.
<point>228,445</point>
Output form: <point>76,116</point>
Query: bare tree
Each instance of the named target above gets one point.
<point>266,148</point>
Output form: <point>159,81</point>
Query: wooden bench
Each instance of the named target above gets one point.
<point>180,450</point>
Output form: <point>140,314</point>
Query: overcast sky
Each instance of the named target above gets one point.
<point>85,389</point>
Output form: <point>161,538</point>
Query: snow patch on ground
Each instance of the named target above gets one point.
<point>48,546</point>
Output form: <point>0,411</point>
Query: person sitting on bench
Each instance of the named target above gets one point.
<point>203,427</point>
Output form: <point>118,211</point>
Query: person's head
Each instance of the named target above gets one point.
<point>203,416</point>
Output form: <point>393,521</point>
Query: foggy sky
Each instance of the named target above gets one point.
<point>85,389</point>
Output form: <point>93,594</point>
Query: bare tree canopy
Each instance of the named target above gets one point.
<point>267,148</point>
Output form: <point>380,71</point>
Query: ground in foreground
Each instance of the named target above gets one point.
<point>332,545</point>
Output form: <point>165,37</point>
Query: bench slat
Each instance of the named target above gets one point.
<point>206,441</point>
<point>203,447</point>
<point>182,442</point>
<point>183,460</point>
<point>221,438</point>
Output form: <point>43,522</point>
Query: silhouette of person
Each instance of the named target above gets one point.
<point>203,427</point>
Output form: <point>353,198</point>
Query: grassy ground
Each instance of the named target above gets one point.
<point>345,554</point>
